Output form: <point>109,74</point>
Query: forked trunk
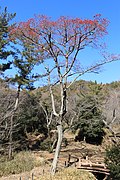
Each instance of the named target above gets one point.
<point>57,150</point>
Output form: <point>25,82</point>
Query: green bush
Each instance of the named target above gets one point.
<point>112,161</point>
<point>46,145</point>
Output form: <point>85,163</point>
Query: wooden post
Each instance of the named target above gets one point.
<point>65,163</point>
<point>87,158</point>
<point>69,156</point>
<point>32,176</point>
<point>79,162</point>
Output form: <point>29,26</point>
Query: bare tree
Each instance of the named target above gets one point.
<point>111,111</point>
<point>58,44</point>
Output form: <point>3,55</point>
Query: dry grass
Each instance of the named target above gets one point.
<point>69,174</point>
<point>22,162</point>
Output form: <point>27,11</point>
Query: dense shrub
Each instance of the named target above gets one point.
<point>113,161</point>
<point>46,145</point>
<point>30,115</point>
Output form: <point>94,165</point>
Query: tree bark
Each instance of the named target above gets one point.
<point>57,150</point>
<point>11,124</point>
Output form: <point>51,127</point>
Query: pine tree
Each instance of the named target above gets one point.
<point>5,52</point>
<point>90,118</point>
<point>24,64</point>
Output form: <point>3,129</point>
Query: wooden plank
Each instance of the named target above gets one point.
<point>92,164</point>
<point>86,164</point>
<point>95,169</point>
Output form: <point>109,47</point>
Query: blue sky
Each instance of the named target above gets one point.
<point>109,9</point>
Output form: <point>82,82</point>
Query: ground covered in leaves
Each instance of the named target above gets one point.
<point>36,164</point>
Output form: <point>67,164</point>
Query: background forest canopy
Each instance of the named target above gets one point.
<point>53,48</point>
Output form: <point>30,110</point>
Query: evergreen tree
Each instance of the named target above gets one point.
<point>90,118</point>
<point>5,52</point>
<point>24,64</point>
<point>30,119</point>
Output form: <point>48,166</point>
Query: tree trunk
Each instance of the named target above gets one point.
<point>10,139</point>
<point>11,125</point>
<point>57,150</point>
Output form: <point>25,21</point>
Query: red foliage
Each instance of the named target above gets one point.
<point>64,32</point>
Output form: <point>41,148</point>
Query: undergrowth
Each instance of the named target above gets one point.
<point>70,174</point>
<point>23,161</point>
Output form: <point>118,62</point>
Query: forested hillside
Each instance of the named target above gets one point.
<point>88,102</point>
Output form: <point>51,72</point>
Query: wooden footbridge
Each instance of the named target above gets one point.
<point>94,167</point>
<point>86,164</point>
